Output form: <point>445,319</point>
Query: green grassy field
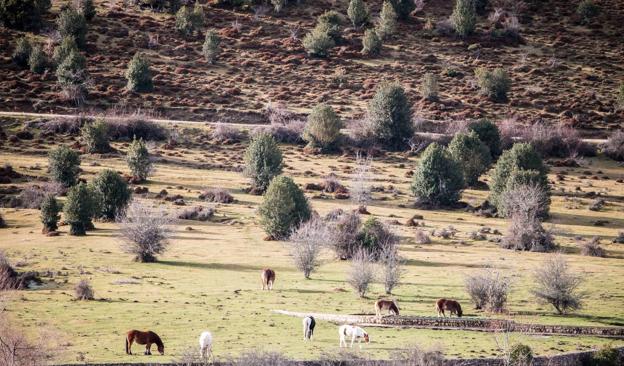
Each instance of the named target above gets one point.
<point>210,277</point>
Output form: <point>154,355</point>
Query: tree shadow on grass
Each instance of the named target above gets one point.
<point>415,262</point>
<point>607,320</point>
<point>221,266</point>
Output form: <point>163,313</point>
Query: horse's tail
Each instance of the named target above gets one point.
<point>127,350</point>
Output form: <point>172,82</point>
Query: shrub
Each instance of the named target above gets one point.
<point>421,237</point>
<point>22,51</point>
<point>560,141</point>
<point>403,8</point>
<point>10,279</point>
<point>72,23</point>
<point>112,193</point>
<point>374,236</point>
<point>197,213</point>
<point>523,177</point>
<point>318,42</point>
<point>391,266</point>
<point>488,290</point>
<point>614,147</point>
<point>619,101</point>
<point>37,59</point>
<point>520,355</point>
<point>306,243</point>
<point>211,47</point>
<point>606,356</point>
<point>83,290</point>
<point>218,195</point>
<point>416,356</point>
<point>371,43</point>
<point>95,137</point>
<point>23,14</point>
<point>72,76</point>
<point>345,235</point>
<point>331,22</point>
<point>438,179</point>
<point>284,207</point>
<point>555,284</point>
<point>138,74</point>
<point>387,23</point>
<point>16,349</point>
<point>64,165</point>
<point>50,213</point>
<point>138,160</point>
<point>145,232</point>
<point>323,127</point>
<point>30,197</point>
<point>429,87</point>
<point>521,156</point>
<point>358,13</point>
<point>587,10</point>
<point>464,17</point>
<point>225,133</point>
<point>389,116</point>
<point>472,156</point>
<point>489,134</point>
<point>263,161</point>
<point>361,272</point>
<point>189,21</point>
<point>260,358</point>
<point>135,125</point>
<point>64,49</point>
<point>86,8</point>
<point>80,207</point>
<point>493,84</point>
<point>592,248</point>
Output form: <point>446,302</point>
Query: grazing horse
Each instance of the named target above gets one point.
<point>147,338</point>
<point>389,305</point>
<point>354,332</point>
<point>268,277</point>
<point>450,305</point>
<point>205,345</point>
<point>308,327</point>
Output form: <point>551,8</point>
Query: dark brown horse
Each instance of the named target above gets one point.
<point>388,305</point>
<point>450,305</point>
<point>147,338</point>
<point>268,277</point>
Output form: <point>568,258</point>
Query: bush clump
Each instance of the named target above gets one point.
<point>345,234</point>
<point>331,23</point>
<point>587,10</point>
<point>489,134</point>
<point>22,52</point>
<point>188,21</point>
<point>64,166</point>
<point>50,209</point>
<point>494,84</point>
<point>389,116</point>
<point>464,17</point>
<point>145,232</point>
<point>139,74</point>
<point>555,284</point>
<point>79,209</point>
<point>520,355</point>
<point>72,23</point>
<point>323,128</point>
<point>488,290</point>
<point>438,178</point>
<point>472,156</point>
<point>263,162</point>
<point>374,236</point>
<point>95,137</point>
<point>284,207</point>
<point>211,46</point>
<point>387,23</point>
<point>358,13</point>
<point>614,147</point>
<point>37,59</point>
<point>138,160</point>
<point>112,193</point>
<point>23,14</point>
<point>72,76</point>
<point>86,8</point>
<point>403,8</point>
<point>83,290</point>
<point>371,43</point>
<point>318,42</point>
<point>606,356</point>
<point>64,49</point>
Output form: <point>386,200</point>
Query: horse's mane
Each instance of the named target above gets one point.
<point>158,341</point>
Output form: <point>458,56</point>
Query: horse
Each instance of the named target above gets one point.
<point>308,327</point>
<point>268,277</point>
<point>450,305</point>
<point>146,338</point>
<point>205,345</point>
<point>389,305</point>
<point>354,332</point>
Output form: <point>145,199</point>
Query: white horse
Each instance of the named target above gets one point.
<point>354,332</point>
<point>205,345</point>
<point>308,327</point>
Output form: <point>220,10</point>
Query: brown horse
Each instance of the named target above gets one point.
<point>268,277</point>
<point>450,305</point>
<point>147,338</point>
<point>389,305</point>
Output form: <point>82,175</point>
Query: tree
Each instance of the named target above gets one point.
<point>284,207</point>
<point>64,165</point>
<point>489,133</point>
<point>330,22</point>
<point>391,266</point>
<point>361,272</point>
<point>72,76</point>
<point>318,42</point>
<point>358,13</point>
<point>374,236</point>
<point>86,8</point>
<point>263,161</point>
<point>211,47</point>
<point>79,209</point>
<point>83,290</point>
<point>64,49</point>
<point>139,74</point>
<point>371,43</point>
<point>145,232</point>
<point>390,116</point>
<point>464,17</point>
<point>23,14</point>
<point>386,25</point>
<point>95,137</point>
<point>49,214</point>
<point>138,160</point>
<point>555,284</point>
<point>72,23</point>
<point>403,8</point>
<point>37,59</point>
<point>488,290</point>
<point>306,243</point>
<point>429,87</point>
<point>472,156</point>
<point>437,179</point>
<point>323,127</point>
<point>112,193</point>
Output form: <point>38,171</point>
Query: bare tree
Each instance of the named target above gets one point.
<point>17,350</point>
<point>306,243</point>
<point>488,289</point>
<point>362,272</point>
<point>344,234</point>
<point>83,290</point>
<point>360,186</point>
<point>555,284</point>
<point>391,265</point>
<point>144,231</point>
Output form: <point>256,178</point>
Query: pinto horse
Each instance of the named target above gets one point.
<point>450,305</point>
<point>268,277</point>
<point>389,305</point>
<point>308,327</point>
<point>354,332</point>
<point>147,338</point>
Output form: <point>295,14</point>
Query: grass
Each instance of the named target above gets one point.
<point>210,278</point>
